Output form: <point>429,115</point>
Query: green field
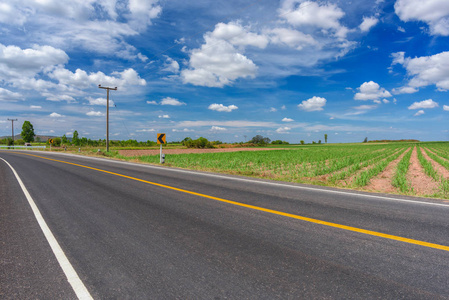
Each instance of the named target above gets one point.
<point>339,165</point>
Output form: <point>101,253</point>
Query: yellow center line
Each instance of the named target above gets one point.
<point>311,220</point>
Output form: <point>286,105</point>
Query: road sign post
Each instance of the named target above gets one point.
<point>161,139</point>
<point>51,142</point>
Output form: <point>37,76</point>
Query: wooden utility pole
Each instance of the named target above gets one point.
<point>107,113</point>
<point>12,127</point>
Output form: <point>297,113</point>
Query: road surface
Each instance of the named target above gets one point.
<point>129,231</point>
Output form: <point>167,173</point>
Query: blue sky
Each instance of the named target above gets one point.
<point>227,70</point>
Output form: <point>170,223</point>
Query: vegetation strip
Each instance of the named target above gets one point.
<point>298,217</point>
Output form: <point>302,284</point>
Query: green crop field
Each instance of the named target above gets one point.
<point>354,166</point>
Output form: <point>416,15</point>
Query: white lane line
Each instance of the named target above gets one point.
<point>78,286</point>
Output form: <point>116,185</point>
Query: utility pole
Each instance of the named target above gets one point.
<point>12,127</point>
<point>107,113</point>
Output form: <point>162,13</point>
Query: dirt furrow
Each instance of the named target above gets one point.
<point>382,182</point>
<point>420,182</point>
<point>442,171</point>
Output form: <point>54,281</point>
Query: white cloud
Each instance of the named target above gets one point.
<point>365,107</point>
<point>217,128</point>
<point>272,109</point>
<point>171,65</point>
<point>171,101</point>
<point>95,113</point>
<point>16,62</point>
<point>313,104</point>
<point>100,101</point>
<point>55,115</point>
<point>283,130</point>
<point>429,103</point>
<point>145,130</point>
<point>368,23</point>
<point>291,38</point>
<point>435,13</point>
<point>287,120</point>
<point>164,117</point>
<point>152,102</point>
<point>7,95</point>
<point>418,113</point>
<point>221,107</point>
<point>57,98</point>
<point>183,130</point>
<point>35,107</point>
<point>242,123</point>
<point>308,13</point>
<point>385,101</point>
<point>427,70</point>
<point>218,62</point>
<point>81,79</point>
<point>446,107</point>
<point>405,90</point>
<point>371,91</point>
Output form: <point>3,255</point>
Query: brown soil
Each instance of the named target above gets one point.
<point>348,181</point>
<point>420,182</point>
<point>439,168</point>
<point>189,150</point>
<point>382,182</point>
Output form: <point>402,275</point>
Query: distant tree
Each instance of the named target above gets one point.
<point>186,140</point>
<point>64,139</point>
<point>325,138</point>
<point>319,141</point>
<point>38,139</point>
<point>27,132</point>
<point>75,138</point>
<point>9,141</point>
<point>313,142</point>
<point>302,142</point>
<point>260,140</point>
<point>365,140</point>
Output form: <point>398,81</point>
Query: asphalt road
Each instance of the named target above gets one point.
<point>143,232</point>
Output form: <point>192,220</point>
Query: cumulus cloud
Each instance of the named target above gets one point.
<point>371,91</point>
<point>171,101</point>
<point>100,101</point>
<point>219,62</point>
<point>16,62</point>
<point>152,102</point>
<point>283,129</point>
<point>7,95</point>
<point>171,65</point>
<point>368,23</point>
<point>272,109</point>
<point>95,113</point>
<point>221,107</point>
<point>292,38</point>
<point>435,13</point>
<point>405,90</point>
<point>419,112</point>
<point>35,107</point>
<point>426,70</point>
<point>326,16</point>
<point>429,103</point>
<point>82,79</point>
<point>55,115</point>
<point>446,107</point>
<point>164,117</point>
<point>183,130</point>
<point>287,120</point>
<point>217,128</point>
<point>313,104</point>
